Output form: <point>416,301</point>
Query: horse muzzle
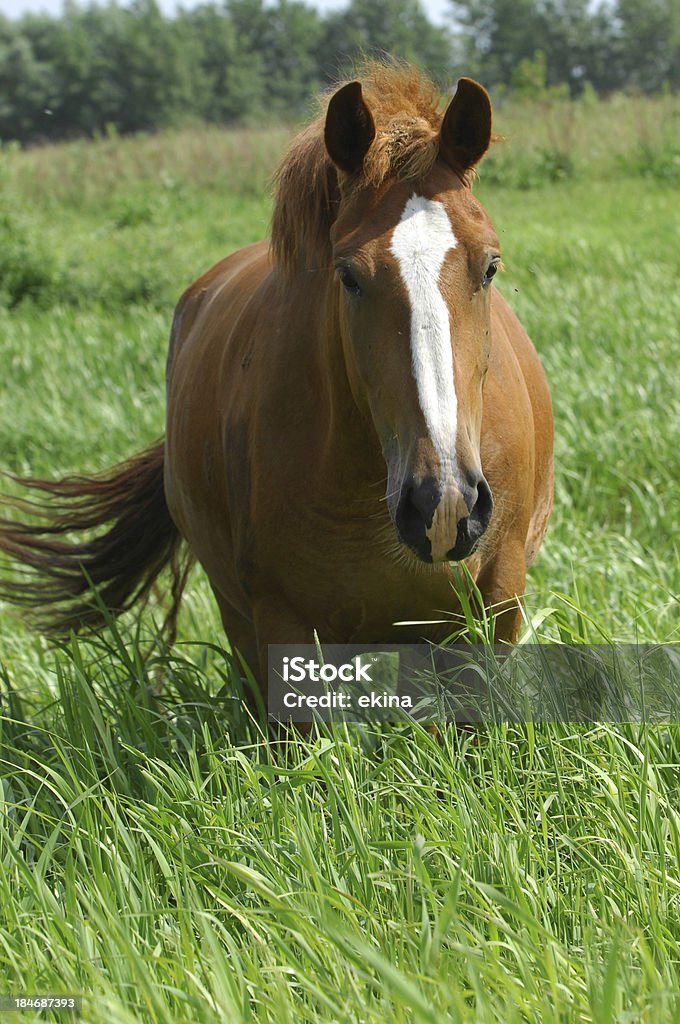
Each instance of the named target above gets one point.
<point>443,526</point>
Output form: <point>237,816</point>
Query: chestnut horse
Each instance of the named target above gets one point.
<point>351,407</point>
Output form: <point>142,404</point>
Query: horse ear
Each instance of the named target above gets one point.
<point>350,128</point>
<point>465,133</point>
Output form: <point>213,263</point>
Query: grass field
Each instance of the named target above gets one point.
<point>156,853</point>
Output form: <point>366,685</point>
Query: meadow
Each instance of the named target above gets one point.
<point>157,853</point>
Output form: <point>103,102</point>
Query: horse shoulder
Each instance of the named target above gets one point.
<point>204,395</point>
<point>197,296</point>
<point>507,324</point>
<point>505,318</point>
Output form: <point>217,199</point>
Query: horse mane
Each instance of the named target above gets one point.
<point>405,106</point>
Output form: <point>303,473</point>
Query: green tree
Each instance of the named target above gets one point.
<point>24,86</point>
<point>227,87</point>
<point>63,46</point>
<point>650,43</point>
<point>497,35</point>
<point>578,40</point>
<point>290,48</point>
<point>146,63</point>
<point>398,27</point>
<point>566,26</point>
<point>280,43</point>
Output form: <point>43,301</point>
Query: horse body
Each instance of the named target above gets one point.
<point>277,480</point>
<point>351,407</point>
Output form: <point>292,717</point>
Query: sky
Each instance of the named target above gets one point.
<point>436,10</point>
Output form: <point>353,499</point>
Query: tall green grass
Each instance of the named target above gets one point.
<point>551,139</point>
<point>162,854</point>
<point>592,282</point>
<point>173,863</point>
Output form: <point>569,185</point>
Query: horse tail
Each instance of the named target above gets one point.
<point>129,538</point>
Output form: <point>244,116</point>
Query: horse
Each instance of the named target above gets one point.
<point>352,407</point>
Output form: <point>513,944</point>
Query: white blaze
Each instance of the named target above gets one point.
<point>420,243</point>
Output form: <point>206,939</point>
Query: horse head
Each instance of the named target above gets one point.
<point>414,253</point>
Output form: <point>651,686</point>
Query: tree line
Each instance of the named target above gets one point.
<point>105,67</point>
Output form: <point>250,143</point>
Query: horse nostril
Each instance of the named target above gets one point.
<point>415,513</point>
<point>422,500</point>
<point>480,503</point>
<point>480,513</point>
<point>409,518</point>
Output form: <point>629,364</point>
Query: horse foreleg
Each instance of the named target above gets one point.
<point>242,641</point>
<point>276,623</point>
<point>501,584</point>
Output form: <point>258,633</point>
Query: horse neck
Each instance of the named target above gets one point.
<point>350,441</point>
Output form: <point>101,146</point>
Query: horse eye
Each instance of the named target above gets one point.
<point>349,281</point>
<point>490,271</point>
